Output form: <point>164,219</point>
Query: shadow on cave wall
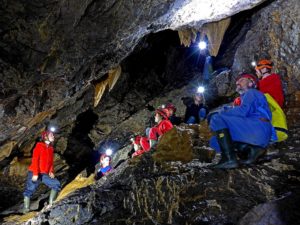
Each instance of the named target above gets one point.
<point>80,146</point>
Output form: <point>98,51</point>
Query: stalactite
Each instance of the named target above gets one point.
<point>113,76</point>
<point>99,91</point>
<point>187,36</point>
<point>215,33</point>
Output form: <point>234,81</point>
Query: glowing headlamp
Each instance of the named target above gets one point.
<point>200,89</point>
<point>202,45</point>
<point>108,152</point>
<point>52,129</point>
<point>253,63</point>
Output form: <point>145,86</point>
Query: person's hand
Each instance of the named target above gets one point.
<point>34,178</point>
<point>51,175</point>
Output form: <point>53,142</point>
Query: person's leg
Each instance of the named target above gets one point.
<point>202,114</point>
<point>254,154</point>
<point>226,144</point>
<point>228,158</point>
<point>191,120</point>
<point>153,136</point>
<point>147,131</point>
<point>29,190</point>
<point>53,184</point>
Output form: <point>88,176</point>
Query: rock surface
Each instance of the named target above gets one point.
<point>53,55</point>
<point>145,191</point>
<point>52,52</point>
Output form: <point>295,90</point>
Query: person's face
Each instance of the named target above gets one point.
<point>51,137</point>
<point>243,84</point>
<point>258,73</point>
<point>157,118</point>
<point>198,98</point>
<point>171,112</point>
<point>136,147</point>
<point>105,161</point>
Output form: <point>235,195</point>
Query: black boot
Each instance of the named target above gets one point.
<point>254,154</point>
<point>228,160</point>
<point>243,150</point>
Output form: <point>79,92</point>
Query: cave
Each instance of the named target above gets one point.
<point>97,70</point>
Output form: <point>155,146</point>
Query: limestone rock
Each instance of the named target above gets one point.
<point>146,192</point>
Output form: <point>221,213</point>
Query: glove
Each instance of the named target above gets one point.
<point>34,178</point>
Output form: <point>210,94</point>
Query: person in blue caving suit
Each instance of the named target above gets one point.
<point>248,124</point>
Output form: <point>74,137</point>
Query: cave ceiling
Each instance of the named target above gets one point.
<point>55,52</point>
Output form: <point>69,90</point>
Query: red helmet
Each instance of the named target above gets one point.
<point>136,140</point>
<point>45,134</point>
<point>264,63</point>
<point>171,106</point>
<point>251,77</point>
<point>163,112</point>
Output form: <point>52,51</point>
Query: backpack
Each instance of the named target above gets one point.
<point>278,119</point>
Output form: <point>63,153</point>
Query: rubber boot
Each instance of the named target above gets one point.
<point>26,207</point>
<point>243,150</point>
<point>255,153</point>
<point>229,159</point>
<point>52,197</point>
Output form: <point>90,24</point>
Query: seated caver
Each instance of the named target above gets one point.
<point>248,123</point>
<point>196,111</point>
<point>140,145</point>
<point>103,167</point>
<point>269,82</point>
<point>175,120</point>
<point>163,126</point>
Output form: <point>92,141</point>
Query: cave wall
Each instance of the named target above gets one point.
<point>274,34</point>
<point>55,84</point>
<point>51,51</point>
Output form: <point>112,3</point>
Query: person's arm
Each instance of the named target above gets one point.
<point>35,159</point>
<point>166,126</point>
<point>244,108</point>
<point>52,162</point>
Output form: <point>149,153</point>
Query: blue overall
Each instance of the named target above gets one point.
<point>31,186</point>
<point>248,123</point>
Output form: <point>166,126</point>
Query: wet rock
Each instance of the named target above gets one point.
<point>183,143</point>
<point>279,211</point>
<point>273,34</point>
<point>147,192</point>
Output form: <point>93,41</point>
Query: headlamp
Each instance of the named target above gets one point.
<point>52,129</point>
<point>253,63</point>
<point>202,45</point>
<point>108,152</point>
<point>200,89</point>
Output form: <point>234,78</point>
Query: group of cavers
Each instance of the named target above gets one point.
<point>253,121</point>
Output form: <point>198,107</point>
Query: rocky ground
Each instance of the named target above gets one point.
<point>54,56</point>
<point>182,188</point>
